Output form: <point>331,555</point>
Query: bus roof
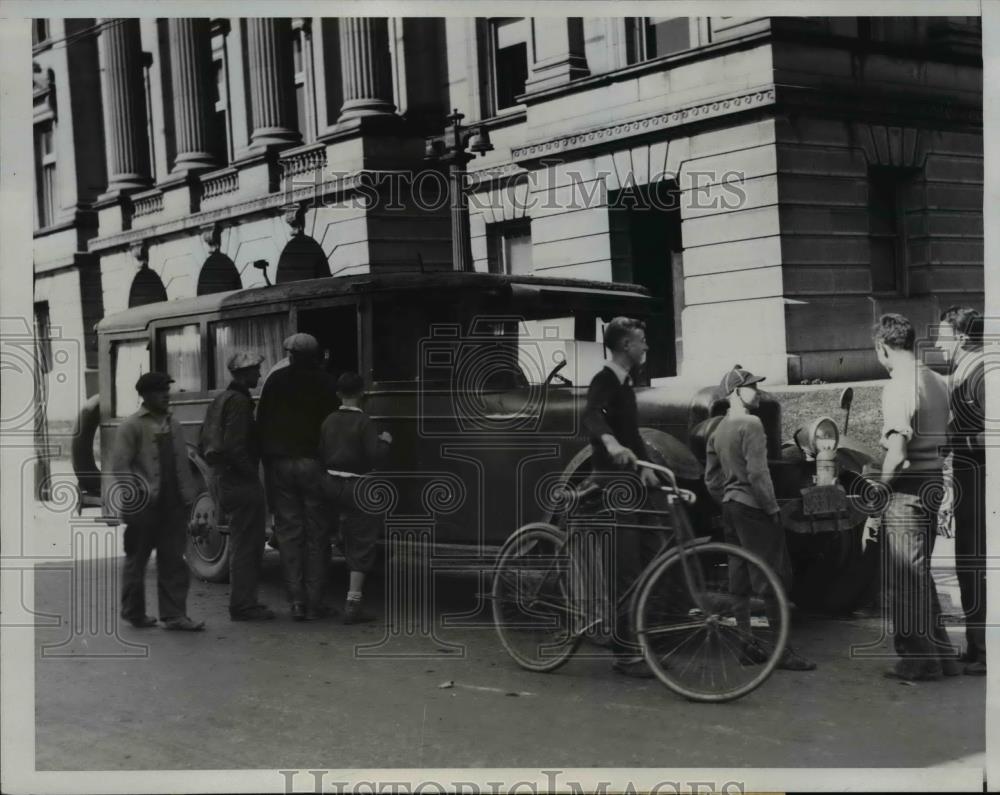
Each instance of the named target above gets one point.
<point>139,317</point>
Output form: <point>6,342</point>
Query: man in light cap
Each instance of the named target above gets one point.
<point>293,404</point>
<point>230,445</point>
<point>738,478</point>
<point>152,493</point>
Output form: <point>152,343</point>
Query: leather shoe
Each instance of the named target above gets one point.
<point>184,624</point>
<point>142,623</point>
<point>354,614</point>
<point>753,653</point>
<point>298,611</point>
<point>792,661</point>
<point>976,668</point>
<point>636,667</point>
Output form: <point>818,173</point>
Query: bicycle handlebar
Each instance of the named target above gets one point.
<point>684,494</point>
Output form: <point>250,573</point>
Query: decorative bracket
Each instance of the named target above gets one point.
<point>211,235</point>
<point>140,252</point>
<point>295,217</point>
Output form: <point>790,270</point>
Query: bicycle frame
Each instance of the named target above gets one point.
<point>682,535</point>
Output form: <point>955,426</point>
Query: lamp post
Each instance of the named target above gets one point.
<point>454,147</point>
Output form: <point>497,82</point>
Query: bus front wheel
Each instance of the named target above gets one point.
<point>207,546</point>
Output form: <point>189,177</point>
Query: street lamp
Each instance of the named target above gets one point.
<point>453,147</point>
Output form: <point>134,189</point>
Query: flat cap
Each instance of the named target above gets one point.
<point>738,377</point>
<point>152,382</point>
<point>301,343</point>
<point>242,360</point>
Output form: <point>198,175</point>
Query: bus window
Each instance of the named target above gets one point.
<point>264,335</point>
<point>131,359</point>
<point>180,349</point>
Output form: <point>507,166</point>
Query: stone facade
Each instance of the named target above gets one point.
<point>731,166</point>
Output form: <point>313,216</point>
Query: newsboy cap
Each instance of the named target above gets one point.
<point>301,343</point>
<point>243,360</point>
<point>152,382</point>
<point>736,378</point>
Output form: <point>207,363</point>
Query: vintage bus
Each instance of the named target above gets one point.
<point>480,378</point>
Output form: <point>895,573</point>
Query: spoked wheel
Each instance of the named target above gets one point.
<point>702,638</point>
<point>533,610</point>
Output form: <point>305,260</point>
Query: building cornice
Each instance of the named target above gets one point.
<point>274,201</point>
<point>670,61</point>
<point>612,134</point>
<point>894,108</point>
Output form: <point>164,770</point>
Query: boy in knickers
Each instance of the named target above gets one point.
<point>350,447</point>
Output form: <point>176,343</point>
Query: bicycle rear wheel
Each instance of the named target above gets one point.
<point>704,639</point>
<point>533,609</point>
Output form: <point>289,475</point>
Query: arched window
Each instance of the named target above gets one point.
<point>147,288</point>
<point>218,275</point>
<point>303,258</point>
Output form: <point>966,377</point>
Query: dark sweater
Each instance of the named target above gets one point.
<point>229,433</point>
<point>349,442</point>
<point>611,408</point>
<point>293,404</point>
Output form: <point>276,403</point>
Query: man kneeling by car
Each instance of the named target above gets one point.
<point>737,477</point>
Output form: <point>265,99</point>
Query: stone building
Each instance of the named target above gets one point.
<point>777,182</point>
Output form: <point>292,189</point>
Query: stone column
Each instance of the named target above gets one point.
<point>125,134</point>
<point>272,84</point>
<point>191,74</point>
<point>366,67</point>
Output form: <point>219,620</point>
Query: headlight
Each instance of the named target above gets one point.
<point>823,435</point>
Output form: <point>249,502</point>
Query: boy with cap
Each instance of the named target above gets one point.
<point>611,420</point>
<point>351,447</point>
<point>230,445</point>
<point>738,478</point>
<point>152,493</point>
<point>293,404</point>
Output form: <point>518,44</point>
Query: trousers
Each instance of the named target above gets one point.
<point>302,527</point>
<point>164,530</point>
<point>243,501</point>
<point>969,472</point>
<point>754,531</point>
<point>909,590</point>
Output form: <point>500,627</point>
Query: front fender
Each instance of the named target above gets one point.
<point>853,454</point>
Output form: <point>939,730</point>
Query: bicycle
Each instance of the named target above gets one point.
<point>696,633</point>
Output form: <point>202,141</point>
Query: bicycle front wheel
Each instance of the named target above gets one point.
<point>705,619</point>
<point>533,609</point>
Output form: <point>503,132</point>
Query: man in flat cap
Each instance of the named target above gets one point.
<point>152,493</point>
<point>293,404</point>
<point>738,478</point>
<point>230,445</point>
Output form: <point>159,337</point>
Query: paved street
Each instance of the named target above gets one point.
<point>295,695</point>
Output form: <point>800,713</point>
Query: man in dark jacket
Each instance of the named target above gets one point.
<point>152,491</point>
<point>611,420</point>
<point>230,446</point>
<point>961,339</point>
<point>293,404</point>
